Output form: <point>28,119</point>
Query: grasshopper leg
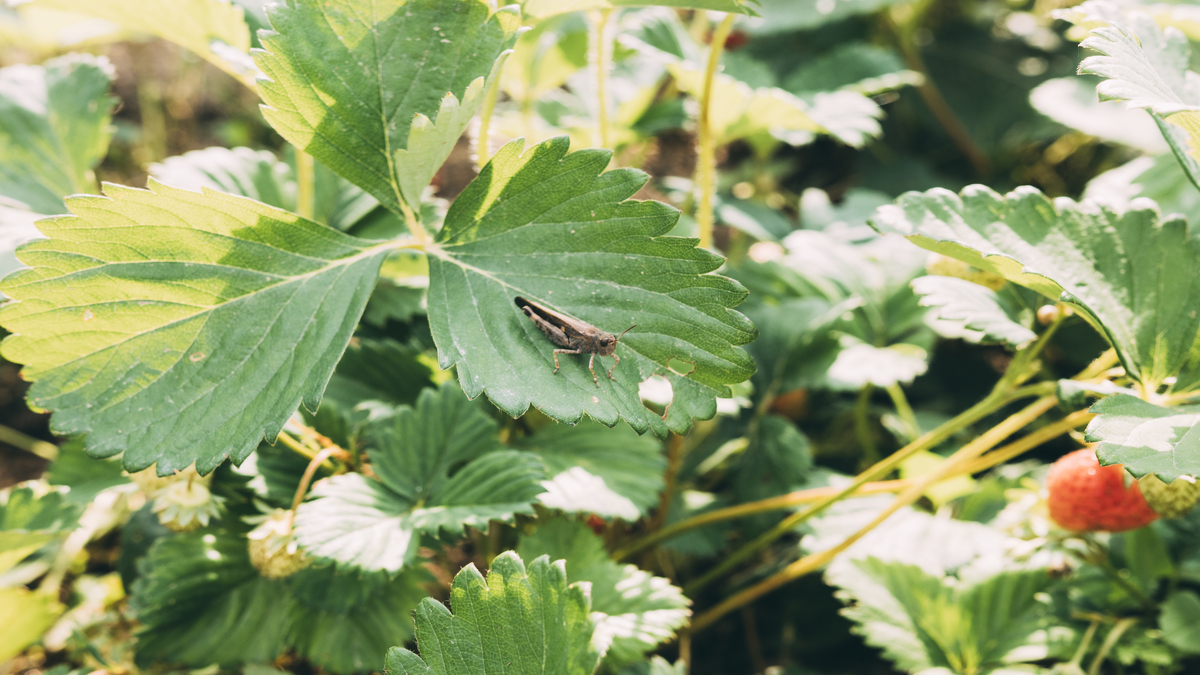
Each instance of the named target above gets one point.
<point>590,362</point>
<point>565,351</point>
<point>616,360</point>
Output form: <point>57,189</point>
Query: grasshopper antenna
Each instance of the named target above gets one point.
<point>626,331</point>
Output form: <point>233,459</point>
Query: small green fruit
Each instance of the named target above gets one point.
<point>1170,501</point>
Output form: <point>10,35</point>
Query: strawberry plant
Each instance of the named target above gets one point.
<point>308,298</point>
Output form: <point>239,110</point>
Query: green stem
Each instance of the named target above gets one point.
<point>706,161</point>
<point>305,185</point>
<point>862,425</point>
<point>17,439</point>
<point>904,410</point>
<point>1110,641</point>
<point>990,404</point>
<point>600,40</point>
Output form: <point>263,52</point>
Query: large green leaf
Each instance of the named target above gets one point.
<point>23,509</point>
<point>200,601</point>
<point>374,523</point>
<point>612,473</point>
<point>516,622</point>
<point>56,128</point>
<point>133,321</point>
<point>214,30</point>
<point>640,610</point>
<point>552,228</point>
<point>1131,273</point>
<point>380,92</point>
<point>1180,621</point>
<point>1147,438</point>
<point>259,175</point>
<point>84,476</point>
<point>1146,66</point>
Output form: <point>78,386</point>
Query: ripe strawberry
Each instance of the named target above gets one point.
<point>1086,497</point>
<point>1174,500</point>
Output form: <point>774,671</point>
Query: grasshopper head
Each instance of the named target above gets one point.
<point>608,342</point>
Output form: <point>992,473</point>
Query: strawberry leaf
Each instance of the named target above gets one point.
<point>1130,273</point>
<point>1147,438</point>
<point>132,321</point>
<point>551,227</point>
<point>516,622</point>
<point>379,94</point>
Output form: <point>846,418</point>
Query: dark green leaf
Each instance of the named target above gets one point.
<point>612,473</point>
<point>1180,621</point>
<point>438,468</point>
<point>24,510</point>
<point>86,477</point>
<point>552,228</point>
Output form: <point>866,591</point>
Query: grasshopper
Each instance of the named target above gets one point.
<point>578,337</point>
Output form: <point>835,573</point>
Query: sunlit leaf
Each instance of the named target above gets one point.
<point>540,9</point>
<point>517,622</point>
<point>997,316</point>
<point>25,615</point>
<point>132,321</point>
<point>1147,438</point>
<point>380,96</point>
<point>1130,273</point>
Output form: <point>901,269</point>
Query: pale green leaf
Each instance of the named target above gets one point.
<point>21,508</point>
<point>1071,101</point>
<point>782,16</point>
<point>132,321</point>
<point>375,524</point>
<point>1147,438</point>
<point>540,9</point>
<point>25,615</point>
<point>1129,272</point>
<point>515,622</point>
<point>739,110</point>
<point>997,316</point>
<point>259,175</point>
<point>380,94</point>
<point>56,128</point>
<point>640,610</point>
<point>18,545</point>
<point>214,30</point>
<point>612,473</point>
<point>1146,66</point>
<point>859,364</point>
<point>1160,178</point>
<point>1180,621</point>
<point>552,228</point>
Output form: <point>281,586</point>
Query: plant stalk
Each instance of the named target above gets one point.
<point>706,162</point>
<point>483,149</point>
<point>600,41</point>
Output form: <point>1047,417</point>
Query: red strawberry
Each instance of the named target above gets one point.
<point>1085,497</point>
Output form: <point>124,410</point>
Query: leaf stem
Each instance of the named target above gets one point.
<point>904,410</point>
<point>600,40</point>
<point>706,162</point>
<point>674,459</point>
<point>815,561</point>
<point>483,148</point>
<point>862,424</point>
<point>311,471</point>
<point>1110,641</point>
<point>305,181</point>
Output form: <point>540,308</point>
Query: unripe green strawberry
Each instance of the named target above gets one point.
<point>186,505</point>
<point>1086,497</point>
<point>1174,500</point>
<point>273,550</point>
